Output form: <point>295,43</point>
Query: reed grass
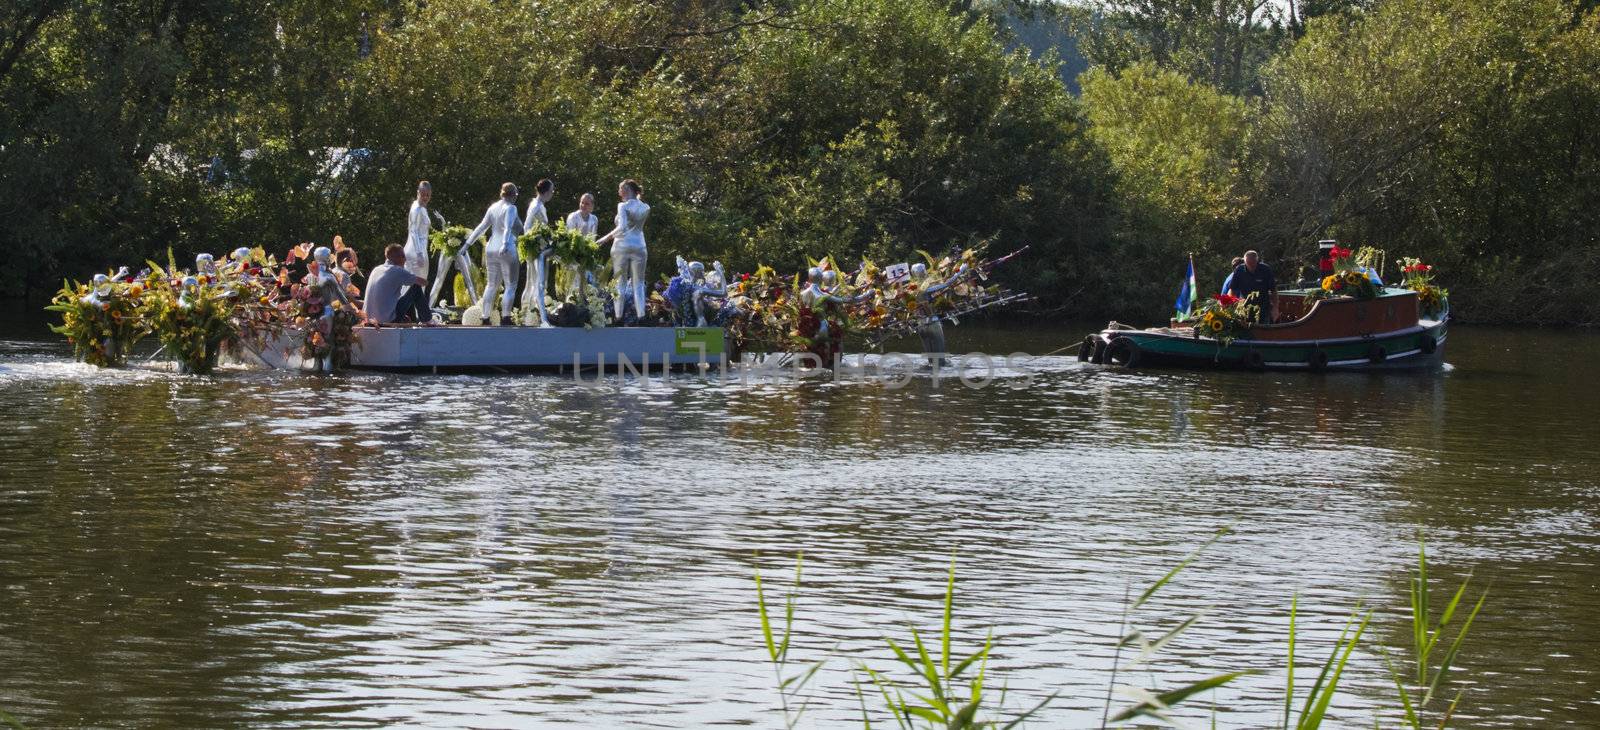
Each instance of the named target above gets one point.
<point>947,690</point>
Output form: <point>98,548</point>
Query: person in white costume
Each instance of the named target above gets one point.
<point>417,226</point>
<point>503,225</point>
<point>583,220</point>
<point>627,246</point>
<point>533,287</point>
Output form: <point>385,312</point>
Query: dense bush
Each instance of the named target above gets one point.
<point>1463,132</point>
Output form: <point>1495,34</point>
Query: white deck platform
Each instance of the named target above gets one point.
<point>457,347</point>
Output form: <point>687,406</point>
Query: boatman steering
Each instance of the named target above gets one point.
<point>1254,276</point>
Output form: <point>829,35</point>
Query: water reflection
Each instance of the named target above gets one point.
<point>371,550</point>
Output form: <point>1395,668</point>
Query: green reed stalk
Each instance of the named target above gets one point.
<point>778,647</point>
<point>940,698</point>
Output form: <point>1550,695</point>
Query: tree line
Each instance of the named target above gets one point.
<point>1462,131</point>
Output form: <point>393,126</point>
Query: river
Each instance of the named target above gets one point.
<point>273,549</point>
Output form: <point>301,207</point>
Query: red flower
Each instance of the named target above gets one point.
<point>1226,300</point>
<point>1340,253</point>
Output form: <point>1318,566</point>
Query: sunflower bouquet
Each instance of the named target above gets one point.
<point>1432,301</point>
<point>190,315</point>
<point>1225,318</point>
<point>1347,279</point>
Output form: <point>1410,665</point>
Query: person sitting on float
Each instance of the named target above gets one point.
<point>394,293</point>
<point>1254,278</point>
<point>500,258</point>
<point>628,247</point>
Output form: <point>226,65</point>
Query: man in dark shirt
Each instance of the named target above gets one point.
<point>1255,277</point>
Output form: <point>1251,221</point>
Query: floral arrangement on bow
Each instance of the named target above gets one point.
<point>102,323</point>
<point>191,315</point>
<point>1432,300</point>
<point>248,301</point>
<point>1225,318</point>
<point>448,241</point>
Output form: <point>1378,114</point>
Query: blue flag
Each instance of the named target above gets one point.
<point>1188,292</point>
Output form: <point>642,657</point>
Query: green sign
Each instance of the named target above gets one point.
<point>700,340</point>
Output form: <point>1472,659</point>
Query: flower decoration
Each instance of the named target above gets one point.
<point>1432,301</point>
<point>1225,318</point>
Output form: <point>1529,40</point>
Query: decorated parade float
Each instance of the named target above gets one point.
<point>1349,320</point>
<point>303,311</point>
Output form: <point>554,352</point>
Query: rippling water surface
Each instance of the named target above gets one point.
<point>262,548</point>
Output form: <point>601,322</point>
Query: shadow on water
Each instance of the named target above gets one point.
<point>370,549</point>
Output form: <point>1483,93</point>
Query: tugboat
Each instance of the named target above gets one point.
<point>1387,331</point>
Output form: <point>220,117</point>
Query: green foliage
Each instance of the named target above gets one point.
<point>934,698</point>
<point>448,241</point>
<point>1461,131</point>
<point>1177,149</point>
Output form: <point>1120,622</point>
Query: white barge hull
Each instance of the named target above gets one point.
<point>456,347</point>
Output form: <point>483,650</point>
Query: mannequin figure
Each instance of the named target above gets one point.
<point>826,339</point>
<point>324,279</point>
<point>929,327</point>
<point>713,285</point>
<point>503,225</point>
<point>189,285</point>
<point>628,246</point>
<point>99,292</point>
<point>461,260</point>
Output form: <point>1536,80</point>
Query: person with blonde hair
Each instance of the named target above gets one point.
<point>628,247</point>
<point>500,258</point>
<point>583,220</point>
